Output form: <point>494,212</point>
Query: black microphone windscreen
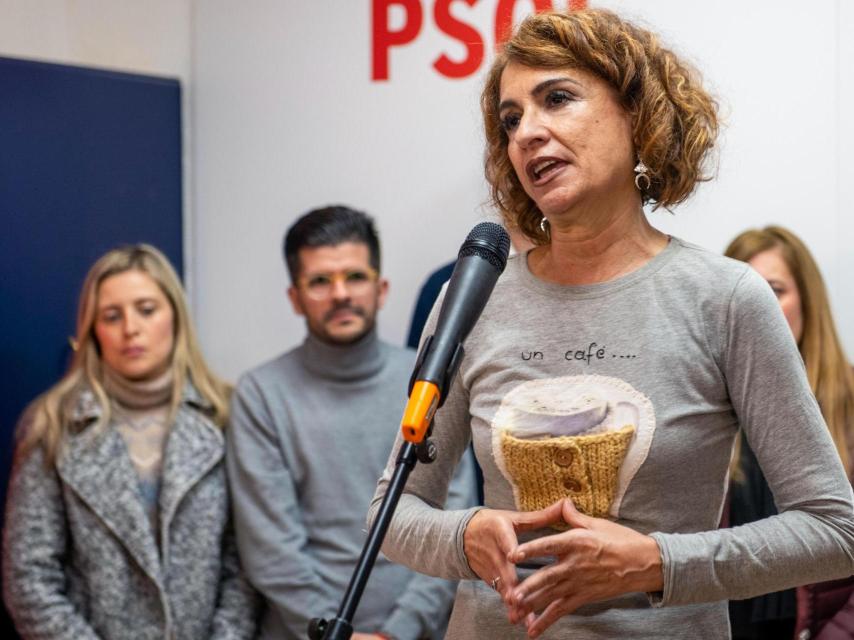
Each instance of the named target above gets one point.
<point>489,241</point>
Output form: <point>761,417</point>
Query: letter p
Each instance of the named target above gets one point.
<point>384,38</point>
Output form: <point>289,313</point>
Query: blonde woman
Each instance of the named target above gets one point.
<point>117,521</point>
<point>825,608</point>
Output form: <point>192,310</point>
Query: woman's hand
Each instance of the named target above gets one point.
<point>595,560</point>
<point>489,538</point>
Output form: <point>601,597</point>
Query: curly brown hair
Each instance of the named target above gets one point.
<point>675,121</point>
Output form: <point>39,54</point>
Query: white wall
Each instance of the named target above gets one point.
<point>842,290</point>
<point>286,118</point>
<point>150,37</point>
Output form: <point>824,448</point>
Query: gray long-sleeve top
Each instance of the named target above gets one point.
<point>688,348</point>
<point>309,436</point>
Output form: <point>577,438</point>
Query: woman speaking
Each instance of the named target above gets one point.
<point>611,369</point>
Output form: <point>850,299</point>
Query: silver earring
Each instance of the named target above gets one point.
<point>642,181</point>
<point>543,224</point>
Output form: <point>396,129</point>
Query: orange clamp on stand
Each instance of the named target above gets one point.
<point>422,405</point>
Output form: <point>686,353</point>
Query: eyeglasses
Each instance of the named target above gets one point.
<point>357,282</point>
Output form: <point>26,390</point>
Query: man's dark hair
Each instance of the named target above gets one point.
<point>330,226</point>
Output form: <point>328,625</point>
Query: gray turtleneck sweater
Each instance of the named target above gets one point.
<point>310,434</point>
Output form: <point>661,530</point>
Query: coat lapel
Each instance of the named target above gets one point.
<point>195,446</point>
<point>96,466</point>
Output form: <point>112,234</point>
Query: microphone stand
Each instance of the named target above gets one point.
<point>481,260</point>
<point>423,450</point>
<point>341,626</point>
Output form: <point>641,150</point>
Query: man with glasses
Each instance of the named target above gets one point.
<point>311,432</point>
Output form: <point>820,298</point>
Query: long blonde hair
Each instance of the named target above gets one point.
<point>48,418</point>
<point>828,370</point>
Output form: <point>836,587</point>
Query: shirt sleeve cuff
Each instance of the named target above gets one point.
<point>461,550</point>
<point>663,598</point>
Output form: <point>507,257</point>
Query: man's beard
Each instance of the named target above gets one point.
<point>326,336</point>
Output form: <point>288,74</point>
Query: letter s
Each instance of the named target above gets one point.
<point>464,33</point>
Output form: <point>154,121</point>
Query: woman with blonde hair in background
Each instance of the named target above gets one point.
<point>826,609</point>
<point>117,521</point>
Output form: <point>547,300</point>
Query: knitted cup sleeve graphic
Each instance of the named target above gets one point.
<point>578,437</point>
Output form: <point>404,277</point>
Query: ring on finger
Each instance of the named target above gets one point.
<point>495,581</point>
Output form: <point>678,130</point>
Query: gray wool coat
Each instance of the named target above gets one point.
<point>80,560</point>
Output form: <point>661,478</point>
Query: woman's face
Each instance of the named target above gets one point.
<point>569,140</point>
<point>134,325</point>
<point>773,268</point>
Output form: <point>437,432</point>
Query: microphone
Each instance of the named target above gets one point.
<point>481,260</point>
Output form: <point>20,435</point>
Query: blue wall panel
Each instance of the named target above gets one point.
<point>89,159</point>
